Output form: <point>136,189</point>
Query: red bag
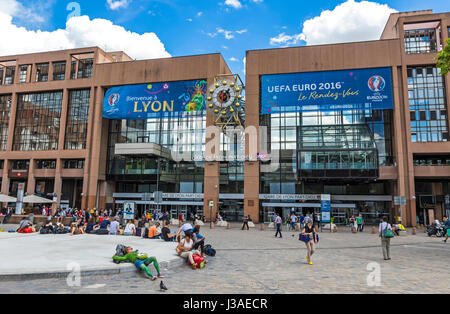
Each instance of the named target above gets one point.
<point>197,259</point>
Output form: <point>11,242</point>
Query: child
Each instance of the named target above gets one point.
<point>140,261</point>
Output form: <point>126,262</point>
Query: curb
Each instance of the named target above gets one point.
<point>120,269</point>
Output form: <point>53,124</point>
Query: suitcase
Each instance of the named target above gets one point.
<point>138,232</point>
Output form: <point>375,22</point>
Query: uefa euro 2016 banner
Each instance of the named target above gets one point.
<point>327,91</point>
<point>156,100</point>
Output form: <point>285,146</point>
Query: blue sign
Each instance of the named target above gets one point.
<point>326,208</point>
<point>155,100</point>
<point>327,91</point>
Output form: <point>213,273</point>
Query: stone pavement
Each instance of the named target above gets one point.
<point>256,262</point>
<point>35,256</point>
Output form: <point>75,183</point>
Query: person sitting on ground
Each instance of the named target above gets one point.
<point>91,226</point>
<point>140,261</point>
<point>77,227</point>
<point>185,249</point>
<point>130,229</point>
<point>167,236</point>
<point>187,227</point>
<point>25,226</point>
<point>199,240</point>
<point>153,232</point>
<point>114,228</point>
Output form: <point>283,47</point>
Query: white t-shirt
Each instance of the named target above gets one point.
<point>187,245</point>
<point>129,228</point>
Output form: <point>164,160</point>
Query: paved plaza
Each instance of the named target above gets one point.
<point>256,262</point>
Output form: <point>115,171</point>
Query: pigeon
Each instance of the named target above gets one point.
<point>162,286</point>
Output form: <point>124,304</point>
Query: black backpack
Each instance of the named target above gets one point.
<point>145,235</point>
<point>209,250</point>
<point>120,251</point>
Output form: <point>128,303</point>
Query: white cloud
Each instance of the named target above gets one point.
<point>79,32</point>
<point>242,31</point>
<point>233,59</point>
<point>117,4</point>
<point>234,3</point>
<point>226,33</point>
<point>348,22</point>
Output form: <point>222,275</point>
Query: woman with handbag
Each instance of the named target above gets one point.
<point>386,233</point>
<point>310,237</point>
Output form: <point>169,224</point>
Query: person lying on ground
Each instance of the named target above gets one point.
<point>199,240</point>
<point>167,236</point>
<point>77,227</point>
<point>140,261</point>
<point>24,223</point>
<point>185,250</point>
<point>153,232</point>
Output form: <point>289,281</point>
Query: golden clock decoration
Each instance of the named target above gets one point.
<point>226,101</point>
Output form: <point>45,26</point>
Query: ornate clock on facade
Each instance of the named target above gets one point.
<point>226,101</point>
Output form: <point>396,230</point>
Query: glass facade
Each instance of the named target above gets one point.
<point>5,107</point>
<point>420,41</point>
<point>427,104</point>
<point>85,68</point>
<point>37,121</point>
<point>327,145</point>
<point>77,119</point>
<point>182,135</point>
<point>59,70</point>
<point>9,75</point>
<point>42,72</point>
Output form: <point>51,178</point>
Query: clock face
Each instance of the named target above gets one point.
<point>223,96</point>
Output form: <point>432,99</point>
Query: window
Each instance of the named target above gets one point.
<point>37,121</point>
<point>423,37</point>
<point>427,104</point>
<point>85,68</point>
<point>73,164</point>
<point>59,71</point>
<point>23,75</point>
<point>73,67</point>
<point>427,160</point>
<point>1,75</point>
<point>77,120</point>
<point>5,107</point>
<point>20,164</point>
<point>9,75</point>
<point>46,164</point>
<point>42,72</point>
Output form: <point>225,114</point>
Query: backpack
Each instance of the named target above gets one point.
<point>145,235</point>
<point>120,251</point>
<point>209,250</point>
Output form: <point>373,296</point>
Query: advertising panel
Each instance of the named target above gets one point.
<point>360,89</point>
<point>155,100</point>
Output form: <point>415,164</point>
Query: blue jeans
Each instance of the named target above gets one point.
<point>278,230</point>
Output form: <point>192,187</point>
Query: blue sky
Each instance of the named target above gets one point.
<point>204,26</point>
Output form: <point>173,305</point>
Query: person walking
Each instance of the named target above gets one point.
<point>446,223</point>
<point>278,222</point>
<point>293,219</point>
<point>245,222</point>
<point>360,223</point>
<point>309,233</point>
<point>386,233</point>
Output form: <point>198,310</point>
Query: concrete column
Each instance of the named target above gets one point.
<point>58,184</point>
<point>5,178</point>
<point>94,160</point>
<point>252,168</point>
<point>31,184</point>
<point>12,122</point>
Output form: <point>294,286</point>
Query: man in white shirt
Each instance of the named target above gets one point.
<point>278,224</point>
<point>385,242</point>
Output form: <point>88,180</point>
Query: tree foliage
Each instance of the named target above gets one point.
<point>443,58</point>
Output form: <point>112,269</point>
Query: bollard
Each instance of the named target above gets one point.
<point>228,225</point>
<point>211,224</point>
<point>414,231</point>
<point>374,230</point>
<point>262,226</point>
<point>354,230</point>
<point>297,227</point>
<point>335,229</point>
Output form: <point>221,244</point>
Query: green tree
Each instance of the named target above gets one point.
<point>443,58</point>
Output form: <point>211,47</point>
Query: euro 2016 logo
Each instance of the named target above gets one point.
<point>376,83</point>
<point>113,99</point>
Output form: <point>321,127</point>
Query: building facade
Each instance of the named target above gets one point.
<point>56,140</point>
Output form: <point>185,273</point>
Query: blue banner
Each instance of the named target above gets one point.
<point>327,91</point>
<point>156,100</point>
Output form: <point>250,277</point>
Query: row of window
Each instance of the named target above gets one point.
<point>80,68</point>
<point>38,121</point>
<point>45,164</point>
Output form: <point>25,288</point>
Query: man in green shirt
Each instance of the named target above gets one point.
<point>141,261</point>
<point>360,222</point>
